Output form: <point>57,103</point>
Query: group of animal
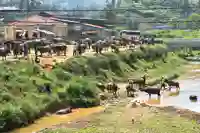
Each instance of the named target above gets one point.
<point>140,84</point>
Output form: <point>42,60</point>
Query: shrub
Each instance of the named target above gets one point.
<point>73,82</point>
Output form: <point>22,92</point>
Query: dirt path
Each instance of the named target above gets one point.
<point>120,118</point>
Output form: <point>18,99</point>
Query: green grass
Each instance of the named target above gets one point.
<point>74,81</point>
<point>118,119</point>
<point>177,33</point>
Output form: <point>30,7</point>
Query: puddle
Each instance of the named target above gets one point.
<point>178,99</point>
<point>49,121</point>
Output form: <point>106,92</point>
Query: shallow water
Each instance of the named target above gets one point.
<point>187,87</point>
<point>49,121</point>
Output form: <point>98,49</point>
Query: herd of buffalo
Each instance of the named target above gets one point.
<point>24,47</point>
<point>114,43</point>
<point>135,85</point>
<point>58,46</point>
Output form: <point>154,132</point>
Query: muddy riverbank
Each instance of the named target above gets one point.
<point>140,118</point>
<point>51,120</point>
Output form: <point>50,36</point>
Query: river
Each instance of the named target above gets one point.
<point>181,99</point>
<point>188,86</point>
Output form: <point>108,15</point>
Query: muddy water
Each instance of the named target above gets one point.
<point>49,121</point>
<point>189,86</point>
<point>179,99</point>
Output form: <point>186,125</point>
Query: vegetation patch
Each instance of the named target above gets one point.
<point>74,81</point>
<point>186,34</point>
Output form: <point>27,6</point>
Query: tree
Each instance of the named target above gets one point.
<point>193,21</point>
<point>110,15</point>
<point>30,4</point>
<point>135,25</point>
<point>119,3</point>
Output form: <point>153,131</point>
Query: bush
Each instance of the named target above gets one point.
<point>73,82</point>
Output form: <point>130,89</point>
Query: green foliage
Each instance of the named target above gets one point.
<point>20,101</point>
<point>73,82</point>
<point>193,21</point>
<point>187,34</point>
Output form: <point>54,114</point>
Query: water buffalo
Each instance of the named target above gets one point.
<point>130,88</point>
<point>113,88</point>
<point>4,51</point>
<point>140,82</point>
<point>88,42</point>
<point>78,49</point>
<point>57,48</point>
<point>97,47</point>
<point>172,83</point>
<point>17,47</point>
<point>44,49</point>
<point>193,98</point>
<point>114,48</point>
<point>151,90</point>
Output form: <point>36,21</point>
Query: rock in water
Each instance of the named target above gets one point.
<point>64,111</point>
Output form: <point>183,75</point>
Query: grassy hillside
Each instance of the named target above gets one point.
<point>73,81</point>
<point>187,34</point>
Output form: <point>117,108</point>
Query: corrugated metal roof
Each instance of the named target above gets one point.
<point>45,31</point>
<point>95,26</point>
<point>9,8</point>
<point>65,20</point>
<point>89,32</point>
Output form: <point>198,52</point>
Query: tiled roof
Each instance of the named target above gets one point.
<point>36,19</point>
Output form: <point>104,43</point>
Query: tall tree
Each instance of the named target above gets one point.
<point>186,8</point>
<point>110,15</point>
<point>29,4</point>
<point>193,21</point>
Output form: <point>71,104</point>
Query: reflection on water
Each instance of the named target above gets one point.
<point>193,101</point>
<point>174,92</point>
<point>49,121</point>
<point>181,99</point>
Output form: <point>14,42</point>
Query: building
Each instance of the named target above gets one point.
<point>75,29</point>
<point>36,23</point>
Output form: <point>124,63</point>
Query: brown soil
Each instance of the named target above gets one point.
<point>136,116</point>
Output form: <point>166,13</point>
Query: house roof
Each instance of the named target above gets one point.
<point>35,19</point>
<point>8,8</point>
<point>45,31</point>
<point>95,26</point>
<point>66,21</point>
